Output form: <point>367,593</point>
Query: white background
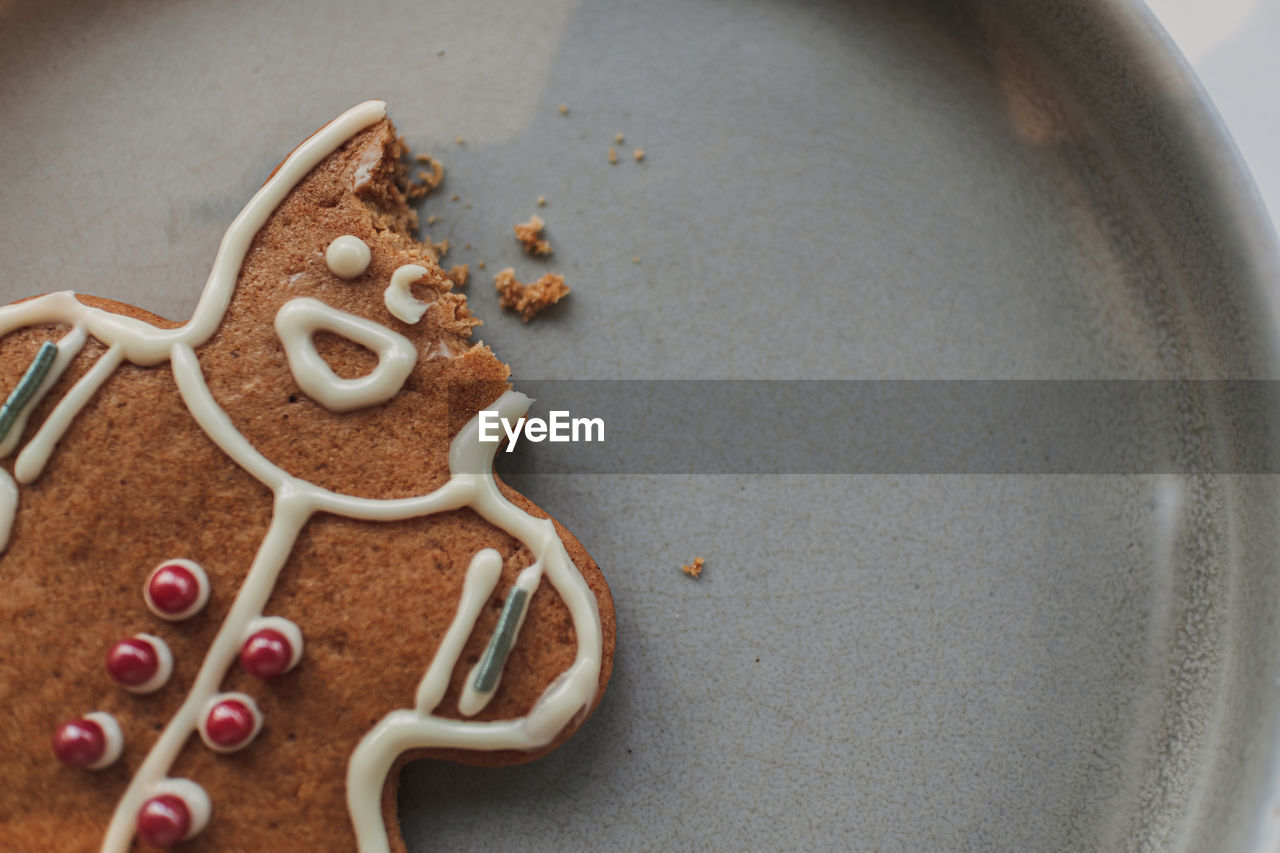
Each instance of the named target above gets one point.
<point>1232,46</point>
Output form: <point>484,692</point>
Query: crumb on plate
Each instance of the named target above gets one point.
<point>529,234</point>
<point>529,299</point>
<point>613,156</point>
<point>458,274</point>
<point>694,569</point>
<point>423,181</point>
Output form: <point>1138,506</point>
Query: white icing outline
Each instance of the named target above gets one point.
<point>482,577</point>
<point>198,805</point>
<point>164,666</point>
<point>202,587</point>
<point>471,484</point>
<point>244,699</point>
<point>112,739</point>
<point>8,507</point>
<point>292,635</point>
<point>399,299</point>
<point>348,257</point>
<point>68,348</point>
<point>299,319</point>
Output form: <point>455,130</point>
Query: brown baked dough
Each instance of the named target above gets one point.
<point>135,481</point>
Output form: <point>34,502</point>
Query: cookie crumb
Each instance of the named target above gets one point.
<point>480,264</point>
<point>458,140</point>
<point>638,154</point>
<point>694,569</point>
<point>529,299</point>
<point>432,219</point>
<point>528,234</point>
<point>564,109</point>
<point>454,197</point>
<point>458,274</point>
<point>617,137</point>
<point>542,201</point>
<point>424,182</point>
<point>635,259</point>
<point>467,247</point>
<point>613,156</point>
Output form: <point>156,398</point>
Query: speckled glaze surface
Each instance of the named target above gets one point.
<point>874,189</point>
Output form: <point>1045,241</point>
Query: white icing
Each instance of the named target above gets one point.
<point>482,577</point>
<point>112,737</point>
<point>198,805</point>
<point>31,461</point>
<point>471,484</point>
<point>399,299</point>
<point>244,699</point>
<point>292,633</point>
<point>8,507</point>
<point>299,319</point>
<point>202,597</point>
<point>472,701</point>
<point>68,348</point>
<point>164,665</point>
<point>348,257</point>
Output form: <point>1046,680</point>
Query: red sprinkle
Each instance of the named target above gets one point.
<point>173,588</point>
<point>163,821</point>
<point>132,662</point>
<point>266,653</point>
<point>230,723</point>
<point>79,743</point>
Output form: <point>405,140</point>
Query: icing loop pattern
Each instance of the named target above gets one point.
<point>299,319</point>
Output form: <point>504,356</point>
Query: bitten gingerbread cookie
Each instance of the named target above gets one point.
<point>257,560</point>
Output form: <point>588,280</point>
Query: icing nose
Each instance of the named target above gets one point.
<point>297,322</point>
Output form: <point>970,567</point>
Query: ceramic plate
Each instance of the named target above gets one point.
<point>903,659</point>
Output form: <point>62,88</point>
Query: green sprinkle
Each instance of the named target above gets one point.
<point>26,387</point>
<point>504,637</point>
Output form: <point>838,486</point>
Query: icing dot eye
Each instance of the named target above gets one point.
<point>230,722</point>
<point>176,589</point>
<point>177,810</point>
<point>93,741</point>
<point>273,647</point>
<point>348,256</point>
<point>140,664</point>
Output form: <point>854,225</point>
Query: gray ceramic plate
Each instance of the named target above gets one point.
<point>891,190</point>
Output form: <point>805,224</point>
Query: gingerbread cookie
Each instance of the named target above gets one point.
<point>257,560</point>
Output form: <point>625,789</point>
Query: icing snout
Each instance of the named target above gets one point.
<point>297,322</point>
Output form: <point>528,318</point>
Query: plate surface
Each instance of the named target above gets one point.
<point>870,190</point>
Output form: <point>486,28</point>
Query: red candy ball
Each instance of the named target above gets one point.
<point>230,724</point>
<point>266,653</point>
<point>79,743</point>
<point>132,662</point>
<point>173,589</point>
<point>163,821</point>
